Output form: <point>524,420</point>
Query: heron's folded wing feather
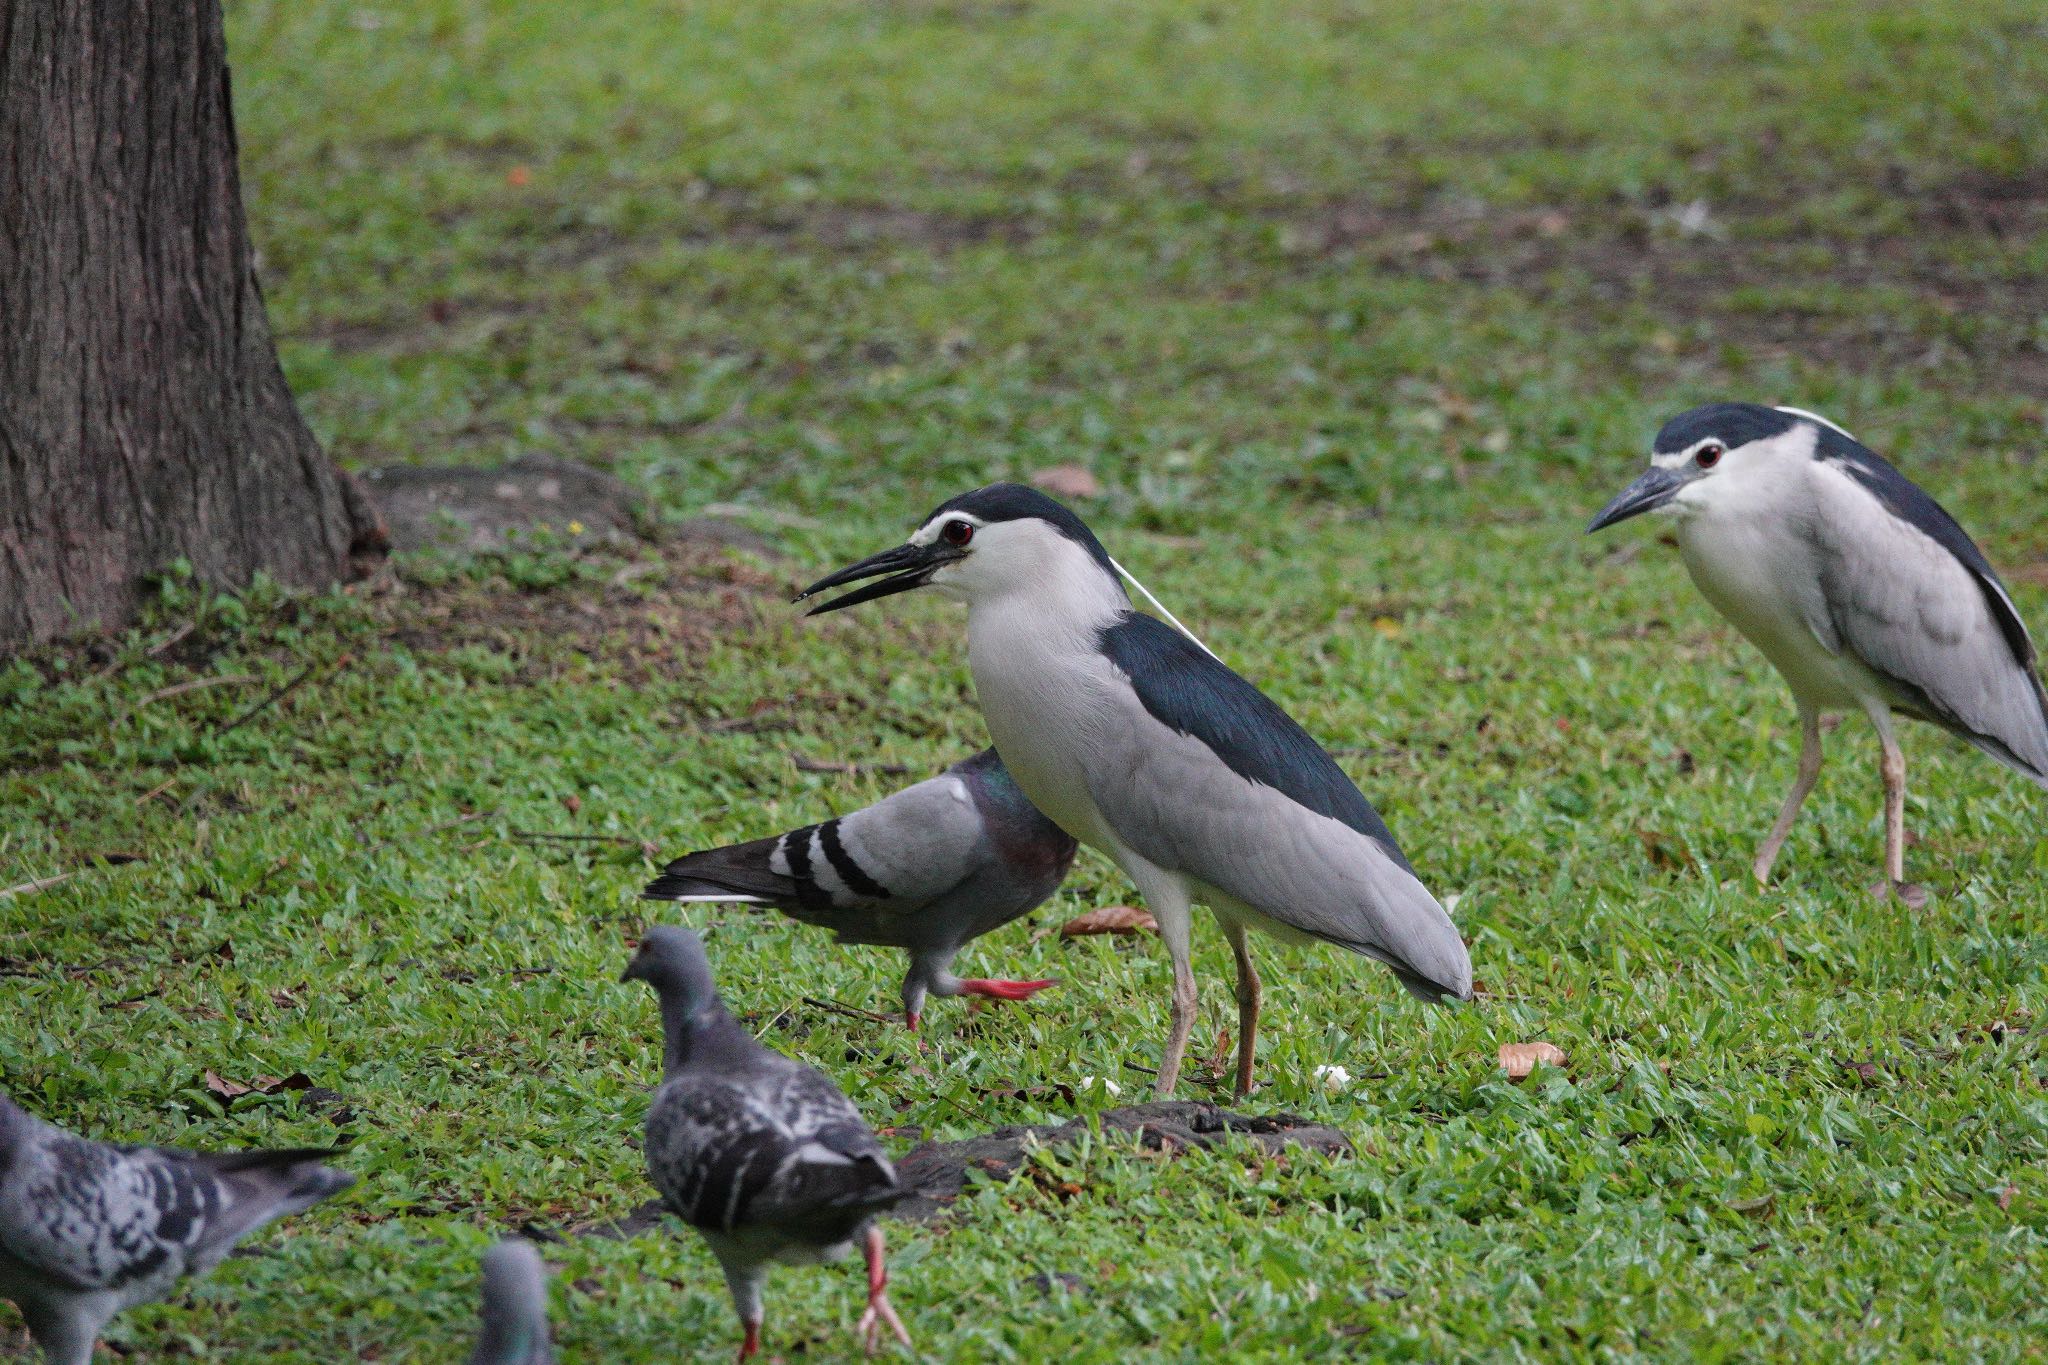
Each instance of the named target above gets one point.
<point>1933,622</point>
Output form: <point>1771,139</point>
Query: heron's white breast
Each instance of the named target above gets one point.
<point>1741,543</point>
<point>1042,683</point>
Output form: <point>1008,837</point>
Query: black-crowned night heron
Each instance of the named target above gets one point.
<point>762,1155</point>
<point>928,869</point>
<point>1137,741</point>
<point>88,1229</point>
<point>1857,587</point>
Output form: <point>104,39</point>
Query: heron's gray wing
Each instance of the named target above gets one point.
<point>1908,594</point>
<point>1211,779</point>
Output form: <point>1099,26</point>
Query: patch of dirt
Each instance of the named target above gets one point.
<point>477,510</point>
<point>650,616</point>
<point>442,322</point>
<point>941,1171</point>
<point>1744,271</point>
<point>605,592</point>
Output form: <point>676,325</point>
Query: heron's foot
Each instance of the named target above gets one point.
<point>1913,895</point>
<point>1004,990</point>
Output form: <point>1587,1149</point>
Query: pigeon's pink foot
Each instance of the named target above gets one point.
<point>1004,990</point>
<point>879,1309</point>
<point>750,1344</point>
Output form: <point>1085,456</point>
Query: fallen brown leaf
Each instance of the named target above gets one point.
<point>2005,1195</point>
<point>1067,481</point>
<point>223,1087</point>
<point>1665,851</point>
<point>1519,1059</point>
<point>1110,919</point>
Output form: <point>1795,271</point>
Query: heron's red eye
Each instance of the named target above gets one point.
<point>957,532</point>
<point>1709,456</point>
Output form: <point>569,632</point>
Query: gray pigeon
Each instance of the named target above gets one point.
<point>88,1229</point>
<point>515,1308</point>
<point>928,870</point>
<point>761,1154</point>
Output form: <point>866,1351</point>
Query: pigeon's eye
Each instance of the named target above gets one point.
<point>957,533</point>
<point>1709,455</point>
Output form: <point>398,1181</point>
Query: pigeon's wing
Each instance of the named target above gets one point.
<point>836,1172</point>
<point>1215,781</point>
<point>731,1153</point>
<point>861,875</point>
<point>1906,592</point>
<point>94,1216</point>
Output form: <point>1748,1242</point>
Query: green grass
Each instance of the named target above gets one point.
<point>1357,311</point>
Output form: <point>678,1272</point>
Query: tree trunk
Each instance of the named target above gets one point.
<point>143,413</point>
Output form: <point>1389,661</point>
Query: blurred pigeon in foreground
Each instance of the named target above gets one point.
<point>515,1308</point>
<point>761,1154</point>
<point>928,870</point>
<point>88,1228</point>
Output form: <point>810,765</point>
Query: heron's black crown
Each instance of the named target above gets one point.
<point>1733,424</point>
<point>1015,502</point>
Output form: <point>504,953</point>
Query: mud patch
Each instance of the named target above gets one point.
<point>654,615</point>
<point>466,509</point>
<point>1950,290</point>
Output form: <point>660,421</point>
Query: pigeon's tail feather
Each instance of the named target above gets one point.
<point>736,870</point>
<point>875,1198</point>
<point>290,1178</point>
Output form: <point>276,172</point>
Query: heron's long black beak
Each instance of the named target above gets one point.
<point>907,567</point>
<point>1656,487</point>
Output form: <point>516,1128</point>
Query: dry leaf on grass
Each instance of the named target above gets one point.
<point>1110,919</point>
<point>1665,851</point>
<point>1067,481</point>
<point>258,1085</point>
<point>1519,1059</point>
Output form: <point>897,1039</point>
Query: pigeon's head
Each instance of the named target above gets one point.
<point>997,540</point>
<point>672,960</point>
<point>1719,453</point>
<point>515,1330</point>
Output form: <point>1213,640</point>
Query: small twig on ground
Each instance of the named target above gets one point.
<point>817,765</point>
<point>154,792</point>
<point>29,888</point>
<point>430,829</point>
<point>1148,1070</point>
<point>179,689</point>
<point>850,1011</point>
<point>159,647</point>
<point>287,689</point>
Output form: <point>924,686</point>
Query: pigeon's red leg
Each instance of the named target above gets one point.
<point>1003,990</point>
<point>750,1344</point>
<point>879,1308</point>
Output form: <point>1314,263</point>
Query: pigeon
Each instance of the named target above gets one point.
<point>515,1308</point>
<point>764,1156</point>
<point>88,1228</point>
<point>927,870</point>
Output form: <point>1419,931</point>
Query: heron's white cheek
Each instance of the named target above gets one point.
<point>952,581</point>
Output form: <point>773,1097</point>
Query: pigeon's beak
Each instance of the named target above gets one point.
<point>906,567</point>
<point>1656,487</point>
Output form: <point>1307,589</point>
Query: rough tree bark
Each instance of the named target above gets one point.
<point>143,413</point>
